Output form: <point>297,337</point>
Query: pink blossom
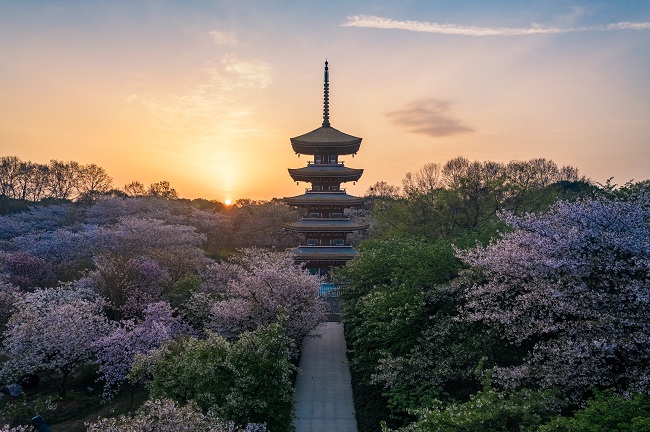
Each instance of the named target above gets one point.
<point>116,351</point>
<point>574,284</point>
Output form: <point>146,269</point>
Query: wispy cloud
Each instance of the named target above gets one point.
<point>428,116</point>
<point>223,38</point>
<point>218,96</point>
<point>371,21</point>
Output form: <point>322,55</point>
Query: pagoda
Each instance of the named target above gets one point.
<point>324,226</point>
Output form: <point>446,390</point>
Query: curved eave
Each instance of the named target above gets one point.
<point>324,198</point>
<point>312,172</point>
<point>326,140</point>
<point>310,225</point>
<point>324,253</point>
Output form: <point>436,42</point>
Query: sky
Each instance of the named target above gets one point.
<point>207,94</point>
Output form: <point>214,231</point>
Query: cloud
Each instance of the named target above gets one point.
<point>429,117</point>
<point>220,95</point>
<point>370,21</point>
<point>222,38</point>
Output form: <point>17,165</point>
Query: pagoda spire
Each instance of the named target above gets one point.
<point>326,101</point>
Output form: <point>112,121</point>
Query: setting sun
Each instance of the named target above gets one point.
<point>228,201</point>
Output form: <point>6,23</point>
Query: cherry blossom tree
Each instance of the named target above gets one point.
<point>28,271</point>
<point>129,284</point>
<point>9,295</point>
<point>166,415</point>
<point>53,330</point>
<point>174,247</point>
<point>20,428</point>
<point>62,253</point>
<point>573,287</point>
<point>261,224</point>
<point>260,287</point>
<point>116,352</point>
<point>37,219</point>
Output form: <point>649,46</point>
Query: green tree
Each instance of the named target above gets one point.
<point>607,412</point>
<point>385,309</point>
<point>488,410</point>
<point>248,381</point>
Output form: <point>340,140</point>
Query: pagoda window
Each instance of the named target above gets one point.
<point>337,215</point>
<point>334,159</point>
<point>338,242</point>
<point>318,159</point>
<point>312,242</point>
<point>314,215</point>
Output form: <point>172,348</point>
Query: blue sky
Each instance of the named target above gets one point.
<point>206,94</point>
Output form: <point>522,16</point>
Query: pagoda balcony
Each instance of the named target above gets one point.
<point>305,244</point>
<point>311,191</point>
<point>340,164</point>
<point>324,253</point>
<point>325,225</point>
<point>339,198</point>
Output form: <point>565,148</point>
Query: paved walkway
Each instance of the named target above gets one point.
<point>323,389</point>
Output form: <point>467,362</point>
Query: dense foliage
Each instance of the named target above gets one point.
<point>538,278</point>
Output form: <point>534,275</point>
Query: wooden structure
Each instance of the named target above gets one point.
<point>324,225</point>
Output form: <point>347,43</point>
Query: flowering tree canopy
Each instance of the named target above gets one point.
<point>175,247</point>
<point>129,284</point>
<point>116,352</point>
<point>53,330</point>
<point>572,285</point>
<point>259,288</point>
<point>9,295</point>
<point>165,415</point>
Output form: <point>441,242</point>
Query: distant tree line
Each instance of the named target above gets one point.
<point>440,200</point>
<point>30,182</point>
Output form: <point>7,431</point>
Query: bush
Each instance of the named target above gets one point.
<point>248,381</point>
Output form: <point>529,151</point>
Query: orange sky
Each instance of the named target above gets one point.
<point>206,95</point>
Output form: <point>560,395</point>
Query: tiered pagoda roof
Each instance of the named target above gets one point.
<point>326,139</point>
<point>313,171</point>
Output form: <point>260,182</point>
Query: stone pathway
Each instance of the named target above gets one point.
<point>323,389</point>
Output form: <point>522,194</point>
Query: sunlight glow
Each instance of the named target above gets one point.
<point>228,201</point>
